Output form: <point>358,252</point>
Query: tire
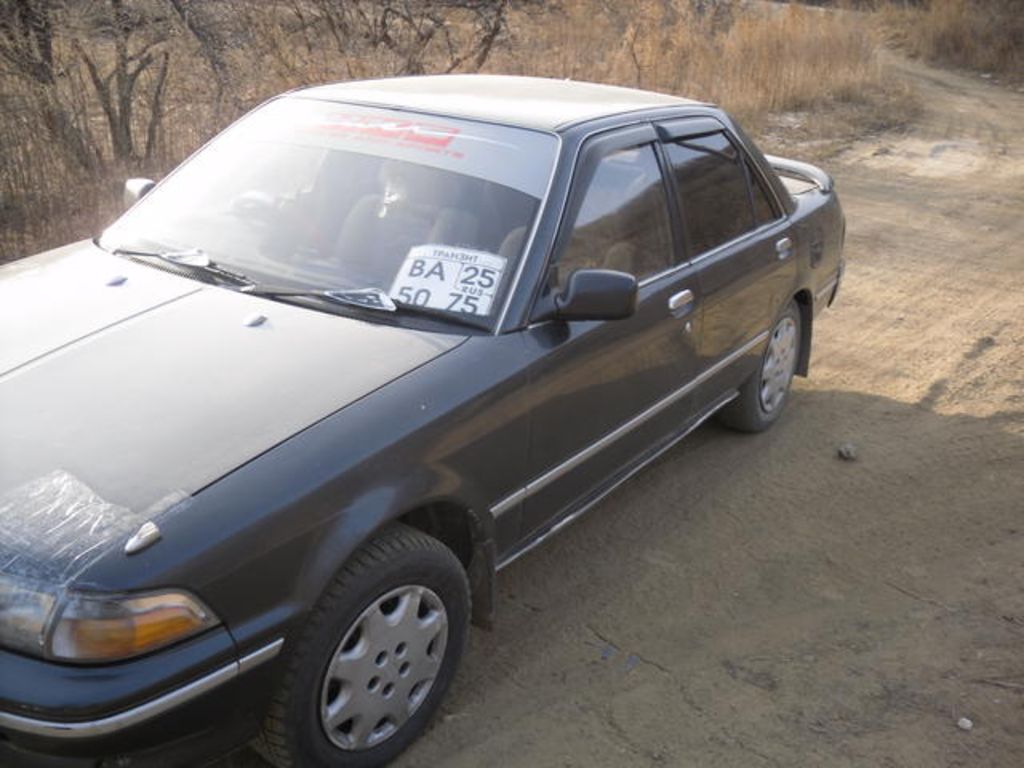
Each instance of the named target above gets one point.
<point>395,617</point>
<point>763,396</point>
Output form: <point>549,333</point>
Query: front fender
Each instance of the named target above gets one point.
<point>261,544</point>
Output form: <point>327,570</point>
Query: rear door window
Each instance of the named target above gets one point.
<point>714,199</point>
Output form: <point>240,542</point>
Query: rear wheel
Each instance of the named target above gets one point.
<point>763,396</point>
<point>375,659</point>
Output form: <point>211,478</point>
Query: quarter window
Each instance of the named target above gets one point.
<point>764,212</point>
<point>713,194</point>
<point>622,222</point>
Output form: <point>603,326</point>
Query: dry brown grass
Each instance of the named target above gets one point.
<point>752,61</point>
<point>985,35</point>
<point>757,63</point>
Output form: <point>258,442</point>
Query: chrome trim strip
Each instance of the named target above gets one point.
<point>564,522</point>
<point>260,656</point>
<point>574,461</point>
<point>129,717</point>
<point>509,501</point>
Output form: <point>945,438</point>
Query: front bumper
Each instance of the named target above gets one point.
<point>165,709</point>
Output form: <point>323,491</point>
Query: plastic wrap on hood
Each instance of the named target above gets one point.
<point>51,530</point>
<point>53,527</point>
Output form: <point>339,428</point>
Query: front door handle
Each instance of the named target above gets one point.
<point>784,248</point>
<point>681,303</point>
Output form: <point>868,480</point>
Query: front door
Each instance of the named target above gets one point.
<point>607,392</point>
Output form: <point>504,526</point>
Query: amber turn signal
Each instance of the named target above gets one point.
<point>106,628</point>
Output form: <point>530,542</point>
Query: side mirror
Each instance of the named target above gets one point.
<point>136,189</point>
<point>597,294</point>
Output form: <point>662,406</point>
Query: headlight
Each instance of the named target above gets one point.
<point>24,610</point>
<point>95,627</point>
<point>102,628</point>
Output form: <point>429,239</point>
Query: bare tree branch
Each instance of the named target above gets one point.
<point>156,106</point>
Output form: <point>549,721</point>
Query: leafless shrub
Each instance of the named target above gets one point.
<point>87,87</point>
<point>27,51</point>
<point>123,49</point>
<point>308,40</point>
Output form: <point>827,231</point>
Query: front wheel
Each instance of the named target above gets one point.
<point>763,396</point>
<point>375,658</point>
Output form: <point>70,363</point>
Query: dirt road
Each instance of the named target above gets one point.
<point>755,601</point>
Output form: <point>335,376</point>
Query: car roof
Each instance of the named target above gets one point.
<point>528,102</point>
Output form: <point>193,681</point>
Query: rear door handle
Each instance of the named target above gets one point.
<point>784,248</point>
<point>681,303</point>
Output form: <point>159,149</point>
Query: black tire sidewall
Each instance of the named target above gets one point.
<point>436,570</point>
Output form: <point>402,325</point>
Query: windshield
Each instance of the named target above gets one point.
<point>433,211</point>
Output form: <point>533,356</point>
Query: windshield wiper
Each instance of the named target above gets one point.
<point>367,298</point>
<point>364,298</point>
<point>195,259</point>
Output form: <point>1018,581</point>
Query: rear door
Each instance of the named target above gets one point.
<point>608,392</point>
<point>738,240</point>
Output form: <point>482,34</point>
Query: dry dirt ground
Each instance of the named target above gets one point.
<point>755,601</point>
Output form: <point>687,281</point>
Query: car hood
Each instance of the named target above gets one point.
<point>121,398</point>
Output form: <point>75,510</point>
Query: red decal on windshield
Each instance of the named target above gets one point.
<point>429,136</point>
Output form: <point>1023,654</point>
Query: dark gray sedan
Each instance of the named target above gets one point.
<point>265,442</point>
